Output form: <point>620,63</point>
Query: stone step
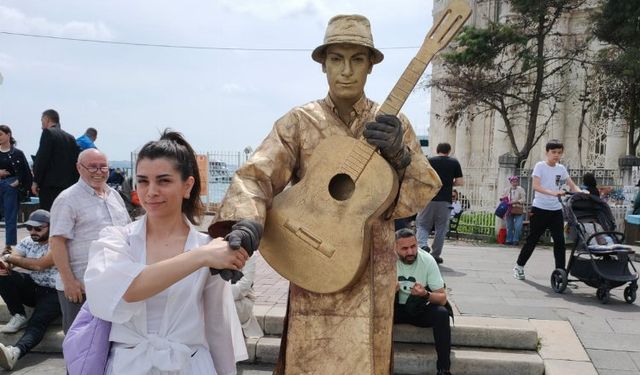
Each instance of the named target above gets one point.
<point>499,333</point>
<point>409,358</point>
<point>482,332</point>
<point>421,358</point>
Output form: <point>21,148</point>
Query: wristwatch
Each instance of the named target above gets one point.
<point>427,296</point>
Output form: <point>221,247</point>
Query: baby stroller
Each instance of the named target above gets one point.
<point>598,259</point>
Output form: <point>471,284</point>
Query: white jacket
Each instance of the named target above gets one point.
<point>199,333</point>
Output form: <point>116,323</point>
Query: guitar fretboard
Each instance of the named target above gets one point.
<point>357,160</point>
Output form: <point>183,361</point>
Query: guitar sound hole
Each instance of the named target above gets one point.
<point>341,187</point>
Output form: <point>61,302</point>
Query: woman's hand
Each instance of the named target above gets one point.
<point>217,254</point>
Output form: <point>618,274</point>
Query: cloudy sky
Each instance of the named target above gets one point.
<point>221,99</point>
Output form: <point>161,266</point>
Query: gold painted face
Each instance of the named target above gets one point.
<point>347,67</point>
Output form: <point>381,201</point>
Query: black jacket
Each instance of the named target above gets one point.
<point>20,167</point>
<point>55,163</point>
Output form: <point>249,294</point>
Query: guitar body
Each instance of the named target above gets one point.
<point>317,231</point>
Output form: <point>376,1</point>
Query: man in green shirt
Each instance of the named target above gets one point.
<point>420,296</point>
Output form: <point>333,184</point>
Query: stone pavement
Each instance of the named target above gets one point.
<point>480,282</point>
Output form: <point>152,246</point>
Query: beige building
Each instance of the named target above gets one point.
<point>478,143</point>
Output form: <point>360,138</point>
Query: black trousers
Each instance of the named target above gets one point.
<point>436,317</point>
<point>540,221</point>
<point>18,289</point>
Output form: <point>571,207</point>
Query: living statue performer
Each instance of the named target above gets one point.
<point>347,332</point>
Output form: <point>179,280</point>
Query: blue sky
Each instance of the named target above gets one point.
<point>221,100</point>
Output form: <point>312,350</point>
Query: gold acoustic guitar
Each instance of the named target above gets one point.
<point>317,232</point>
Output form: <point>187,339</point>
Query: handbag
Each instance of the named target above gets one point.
<point>86,345</point>
<point>517,209</point>
<point>502,209</point>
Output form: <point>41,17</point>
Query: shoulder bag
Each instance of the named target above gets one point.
<point>86,345</point>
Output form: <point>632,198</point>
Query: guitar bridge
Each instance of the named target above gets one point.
<point>309,238</point>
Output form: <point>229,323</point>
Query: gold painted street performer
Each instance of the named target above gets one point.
<point>349,331</point>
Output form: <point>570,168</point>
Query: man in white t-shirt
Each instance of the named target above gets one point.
<point>550,178</point>
<point>420,296</point>
<point>31,283</point>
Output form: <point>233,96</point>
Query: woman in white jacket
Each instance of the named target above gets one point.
<point>151,278</point>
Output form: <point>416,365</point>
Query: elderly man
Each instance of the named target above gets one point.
<point>77,217</point>
<point>54,167</point>
<point>34,288</point>
<point>348,332</point>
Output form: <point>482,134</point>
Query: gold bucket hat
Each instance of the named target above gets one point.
<point>351,29</point>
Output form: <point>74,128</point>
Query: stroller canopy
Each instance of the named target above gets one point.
<point>583,207</point>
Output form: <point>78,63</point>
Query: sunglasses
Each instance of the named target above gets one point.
<point>37,229</point>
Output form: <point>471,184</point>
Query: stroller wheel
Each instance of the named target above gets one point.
<point>603,295</point>
<point>559,280</point>
<point>630,294</point>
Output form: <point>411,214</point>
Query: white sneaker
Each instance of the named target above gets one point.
<point>16,323</point>
<point>8,356</point>
<point>518,272</point>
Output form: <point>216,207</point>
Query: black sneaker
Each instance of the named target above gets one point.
<point>438,259</point>
<point>426,248</point>
<point>443,372</point>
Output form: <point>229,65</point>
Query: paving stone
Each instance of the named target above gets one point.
<point>616,372</point>
<point>604,341</point>
<point>611,360</point>
<point>635,356</point>
<point>582,323</point>
<point>560,367</point>
<point>625,326</point>
<point>558,341</point>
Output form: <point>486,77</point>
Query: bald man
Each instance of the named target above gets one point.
<point>78,215</point>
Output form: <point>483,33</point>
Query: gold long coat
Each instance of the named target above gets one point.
<point>348,332</point>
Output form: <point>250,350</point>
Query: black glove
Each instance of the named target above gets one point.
<point>386,133</point>
<point>245,234</point>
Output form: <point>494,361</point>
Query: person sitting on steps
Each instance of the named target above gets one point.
<point>35,289</point>
<point>421,298</point>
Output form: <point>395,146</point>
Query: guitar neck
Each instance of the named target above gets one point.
<point>443,30</point>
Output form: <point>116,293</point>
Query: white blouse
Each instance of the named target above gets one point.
<point>199,332</point>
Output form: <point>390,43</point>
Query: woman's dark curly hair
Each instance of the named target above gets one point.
<point>174,147</point>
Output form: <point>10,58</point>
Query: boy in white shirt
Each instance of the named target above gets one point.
<point>546,211</point>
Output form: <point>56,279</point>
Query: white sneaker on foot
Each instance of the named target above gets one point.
<point>16,323</point>
<point>8,356</point>
<point>518,272</point>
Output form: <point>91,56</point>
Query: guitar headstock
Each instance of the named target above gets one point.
<point>448,24</point>
<point>444,29</point>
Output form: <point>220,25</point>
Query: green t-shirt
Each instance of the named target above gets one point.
<point>424,271</point>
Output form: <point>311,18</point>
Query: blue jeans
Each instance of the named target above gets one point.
<point>9,197</point>
<point>17,290</point>
<point>514,227</point>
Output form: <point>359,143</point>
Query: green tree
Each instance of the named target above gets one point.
<point>513,68</point>
<point>617,23</point>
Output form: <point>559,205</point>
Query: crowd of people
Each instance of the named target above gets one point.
<point>82,246</point>
<point>150,277</point>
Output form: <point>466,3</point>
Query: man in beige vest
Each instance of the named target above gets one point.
<point>348,332</point>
